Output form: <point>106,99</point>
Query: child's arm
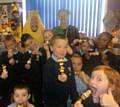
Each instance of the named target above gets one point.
<point>69,50</point>
<point>107,100</point>
<point>78,104</point>
<point>84,77</point>
<point>4,75</point>
<point>46,47</point>
<point>73,91</point>
<point>3,72</point>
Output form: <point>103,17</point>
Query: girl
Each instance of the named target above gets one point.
<point>81,78</point>
<point>48,34</point>
<point>105,86</point>
<point>88,57</point>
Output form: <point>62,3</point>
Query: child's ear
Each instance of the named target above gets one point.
<point>29,96</point>
<point>111,87</point>
<point>12,97</point>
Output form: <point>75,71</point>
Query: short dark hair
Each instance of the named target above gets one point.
<point>108,35</point>
<point>9,38</point>
<point>24,38</point>
<point>22,86</point>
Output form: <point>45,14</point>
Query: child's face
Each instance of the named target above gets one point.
<point>10,44</point>
<point>77,64</point>
<point>85,47</point>
<point>33,45</point>
<point>59,48</point>
<point>102,41</point>
<point>28,43</point>
<point>48,35</point>
<point>21,96</point>
<point>99,83</point>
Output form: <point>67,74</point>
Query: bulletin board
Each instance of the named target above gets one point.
<point>11,18</point>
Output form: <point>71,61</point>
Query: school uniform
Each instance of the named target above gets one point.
<point>55,92</point>
<point>81,86</point>
<point>89,64</point>
<point>15,105</point>
<point>37,63</point>
<point>10,81</point>
<point>3,90</point>
<point>12,69</point>
<point>23,74</point>
<point>89,102</point>
<point>112,59</point>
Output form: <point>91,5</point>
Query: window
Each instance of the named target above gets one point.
<point>86,15</point>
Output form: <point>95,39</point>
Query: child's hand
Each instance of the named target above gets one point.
<point>46,46</point>
<point>69,50</point>
<point>78,104</point>
<point>75,41</point>
<point>12,61</point>
<point>107,100</point>
<point>4,75</point>
<point>36,52</point>
<point>10,53</point>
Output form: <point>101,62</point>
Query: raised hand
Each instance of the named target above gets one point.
<point>4,74</point>
<point>10,53</point>
<point>78,104</point>
<point>107,100</point>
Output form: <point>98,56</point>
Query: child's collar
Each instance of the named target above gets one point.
<point>56,60</point>
<point>96,100</point>
<point>105,51</point>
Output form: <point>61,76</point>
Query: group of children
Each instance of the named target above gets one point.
<point>21,64</point>
<point>55,73</point>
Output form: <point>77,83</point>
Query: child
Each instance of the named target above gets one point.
<point>21,95</point>
<point>38,59</point>
<point>58,76</point>
<point>9,61</point>
<point>48,34</point>
<point>105,86</point>
<point>31,61</point>
<point>80,77</point>
<point>107,57</point>
<point>88,57</point>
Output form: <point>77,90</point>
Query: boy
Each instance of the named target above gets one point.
<point>58,76</point>
<point>107,57</point>
<point>9,63</point>
<point>21,96</point>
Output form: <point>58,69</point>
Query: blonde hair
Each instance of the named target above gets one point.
<point>56,37</point>
<point>114,79</point>
<point>76,55</point>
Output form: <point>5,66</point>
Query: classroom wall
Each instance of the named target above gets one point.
<point>113,4</point>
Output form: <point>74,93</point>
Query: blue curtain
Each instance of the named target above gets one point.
<point>86,15</point>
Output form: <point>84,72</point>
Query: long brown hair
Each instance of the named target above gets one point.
<point>114,79</point>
